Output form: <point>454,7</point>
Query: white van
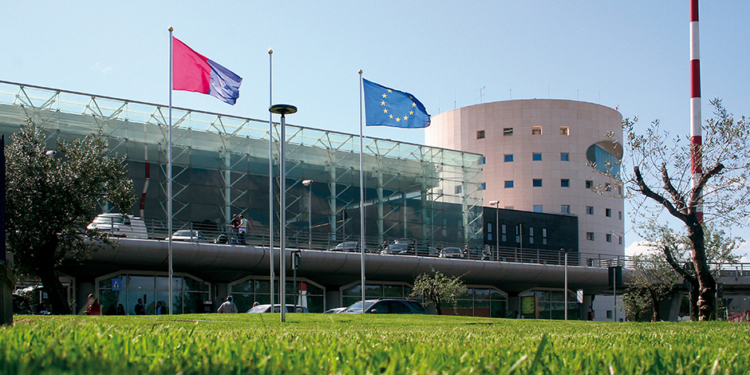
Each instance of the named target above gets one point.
<point>120,226</point>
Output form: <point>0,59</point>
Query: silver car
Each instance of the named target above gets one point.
<point>451,252</point>
<point>189,236</point>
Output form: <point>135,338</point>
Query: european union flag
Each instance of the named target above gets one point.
<point>388,107</point>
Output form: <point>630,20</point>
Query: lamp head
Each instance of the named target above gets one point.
<point>494,203</point>
<point>307,182</point>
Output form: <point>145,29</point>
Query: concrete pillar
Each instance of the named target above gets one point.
<point>7,283</point>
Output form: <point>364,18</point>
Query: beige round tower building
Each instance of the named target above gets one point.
<point>551,156</point>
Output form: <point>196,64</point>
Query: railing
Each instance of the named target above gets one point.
<point>303,239</point>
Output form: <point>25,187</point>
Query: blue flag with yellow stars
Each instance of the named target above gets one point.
<point>388,107</point>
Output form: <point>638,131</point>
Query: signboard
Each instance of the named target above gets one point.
<point>528,305</point>
<point>116,285</point>
<point>579,296</point>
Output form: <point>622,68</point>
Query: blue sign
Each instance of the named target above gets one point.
<point>116,285</point>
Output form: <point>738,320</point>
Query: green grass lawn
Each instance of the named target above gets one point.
<point>354,344</point>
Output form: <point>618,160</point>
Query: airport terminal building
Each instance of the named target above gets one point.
<point>431,197</point>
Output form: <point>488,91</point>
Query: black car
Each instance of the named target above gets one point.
<point>398,249</point>
<point>387,306</point>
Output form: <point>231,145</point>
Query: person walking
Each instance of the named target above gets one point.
<point>160,310</point>
<point>227,307</point>
<point>244,227</point>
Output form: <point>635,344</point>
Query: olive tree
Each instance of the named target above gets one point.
<point>439,289</point>
<point>52,196</point>
<point>661,179</point>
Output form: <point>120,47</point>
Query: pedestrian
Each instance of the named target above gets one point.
<point>227,307</point>
<point>160,310</point>
<point>139,308</point>
<point>235,228</point>
<point>94,307</point>
<point>120,309</point>
<point>244,227</point>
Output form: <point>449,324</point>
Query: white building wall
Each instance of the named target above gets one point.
<point>587,123</point>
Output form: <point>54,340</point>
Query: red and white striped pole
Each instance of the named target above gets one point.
<point>696,140</point>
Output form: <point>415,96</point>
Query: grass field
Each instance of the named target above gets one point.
<point>353,344</point>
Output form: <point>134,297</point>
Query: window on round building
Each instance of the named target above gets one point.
<point>605,156</point>
<point>537,182</point>
<point>536,130</point>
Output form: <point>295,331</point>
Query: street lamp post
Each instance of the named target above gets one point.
<point>497,227</point>
<point>308,183</point>
<point>283,110</point>
<point>565,288</point>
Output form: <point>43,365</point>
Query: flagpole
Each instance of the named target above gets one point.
<point>361,195</point>
<point>270,170</point>
<point>169,172</point>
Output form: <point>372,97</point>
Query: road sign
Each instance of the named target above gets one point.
<point>116,285</point>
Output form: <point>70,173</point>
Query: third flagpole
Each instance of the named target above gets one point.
<point>270,170</point>
<point>169,171</point>
<point>361,194</point>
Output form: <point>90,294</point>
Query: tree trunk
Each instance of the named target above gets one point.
<point>707,284</point>
<point>437,306</point>
<point>654,306</point>
<point>58,299</point>
<point>694,290</point>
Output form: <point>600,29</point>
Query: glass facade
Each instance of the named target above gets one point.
<point>352,293</point>
<point>548,304</point>
<point>481,301</point>
<point>258,289</point>
<point>189,293</point>
<point>220,167</point>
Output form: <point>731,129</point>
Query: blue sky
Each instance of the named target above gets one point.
<point>633,55</point>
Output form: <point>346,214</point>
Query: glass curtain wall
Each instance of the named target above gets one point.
<point>220,168</point>
<point>248,291</point>
<point>352,293</point>
<point>548,304</point>
<point>189,292</point>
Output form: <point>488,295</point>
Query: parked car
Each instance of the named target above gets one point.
<point>335,310</point>
<point>387,306</point>
<point>350,246</point>
<point>397,249</point>
<point>120,225</point>
<point>187,235</point>
<point>433,252</point>
<point>277,309</point>
<point>451,252</point>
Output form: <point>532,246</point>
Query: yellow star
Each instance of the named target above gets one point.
<point>413,104</point>
<point>411,112</point>
<point>384,95</point>
<point>389,90</point>
<point>382,103</point>
<point>406,118</point>
<point>398,119</point>
<point>385,110</point>
<point>391,116</point>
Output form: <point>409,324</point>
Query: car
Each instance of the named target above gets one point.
<point>433,252</point>
<point>387,306</point>
<point>335,310</point>
<point>451,252</point>
<point>350,246</point>
<point>277,309</point>
<point>119,225</point>
<point>189,236</point>
<point>397,249</point>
